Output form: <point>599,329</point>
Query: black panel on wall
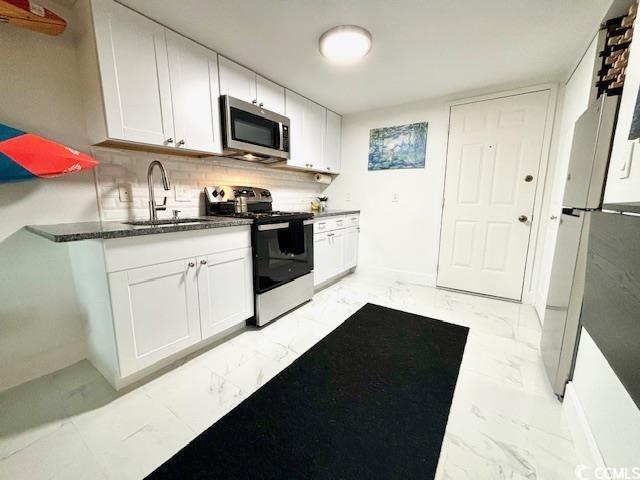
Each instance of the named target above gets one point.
<point>611,307</point>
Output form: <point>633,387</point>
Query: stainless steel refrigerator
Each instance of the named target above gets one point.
<point>588,164</point>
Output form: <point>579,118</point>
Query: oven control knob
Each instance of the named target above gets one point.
<point>222,193</point>
<point>214,193</point>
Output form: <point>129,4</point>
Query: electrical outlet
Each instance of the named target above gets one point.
<point>125,192</point>
<point>395,197</point>
<point>182,193</point>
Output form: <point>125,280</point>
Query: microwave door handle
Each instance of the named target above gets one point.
<point>281,139</point>
<point>273,226</point>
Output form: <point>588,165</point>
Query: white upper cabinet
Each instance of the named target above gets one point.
<point>237,81</point>
<point>270,95</point>
<point>315,135</point>
<point>295,106</point>
<point>314,131</point>
<point>240,82</point>
<point>133,62</point>
<point>194,86</point>
<point>333,142</point>
<point>144,84</point>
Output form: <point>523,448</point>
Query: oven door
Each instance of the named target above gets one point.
<point>282,252</point>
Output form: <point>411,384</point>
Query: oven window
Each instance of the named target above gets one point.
<point>282,255</point>
<point>249,128</point>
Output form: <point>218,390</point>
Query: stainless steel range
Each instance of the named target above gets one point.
<point>282,244</point>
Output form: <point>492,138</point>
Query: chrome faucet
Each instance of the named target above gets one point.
<point>153,209</point>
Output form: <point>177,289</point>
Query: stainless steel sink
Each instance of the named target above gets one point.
<point>169,221</point>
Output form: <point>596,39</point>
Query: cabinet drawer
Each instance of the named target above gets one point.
<point>353,220</point>
<point>132,252</point>
<point>327,224</point>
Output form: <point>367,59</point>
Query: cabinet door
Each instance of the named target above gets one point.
<point>332,143</point>
<point>270,95</point>
<point>194,86</point>
<point>351,235</point>
<point>155,312</point>
<point>314,132</point>
<point>336,263</point>
<point>134,70</point>
<point>321,258</point>
<point>295,106</point>
<point>237,81</point>
<point>225,289</point>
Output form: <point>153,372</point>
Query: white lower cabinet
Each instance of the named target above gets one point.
<point>335,247</point>
<point>152,299</point>
<point>225,290</point>
<point>351,236</point>
<point>155,313</point>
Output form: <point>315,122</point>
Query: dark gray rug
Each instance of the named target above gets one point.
<point>370,400</point>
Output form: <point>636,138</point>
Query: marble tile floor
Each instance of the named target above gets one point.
<point>504,423</point>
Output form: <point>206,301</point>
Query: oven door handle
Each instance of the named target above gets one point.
<point>278,226</point>
<point>273,226</point>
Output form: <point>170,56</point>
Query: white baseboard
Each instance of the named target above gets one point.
<point>585,443</point>
<point>417,278</point>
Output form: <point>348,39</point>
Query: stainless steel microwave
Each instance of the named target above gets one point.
<point>252,133</point>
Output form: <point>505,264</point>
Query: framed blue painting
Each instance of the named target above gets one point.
<point>404,146</point>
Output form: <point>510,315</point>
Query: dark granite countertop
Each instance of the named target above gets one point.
<point>334,213</point>
<point>71,232</point>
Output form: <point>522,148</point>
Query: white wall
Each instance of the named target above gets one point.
<point>40,321</point>
<point>291,190</point>
<point>399,238</point>
<point>611,414</point>
<point>574,96</point>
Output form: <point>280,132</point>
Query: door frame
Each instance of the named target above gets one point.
<point>528,295</point>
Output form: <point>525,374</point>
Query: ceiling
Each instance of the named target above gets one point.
<point>421,48</point>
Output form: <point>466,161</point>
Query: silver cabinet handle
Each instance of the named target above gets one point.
<point>180,143</point>
<point>191,264</point>
<point>203,262</point>
<point>169,140</point>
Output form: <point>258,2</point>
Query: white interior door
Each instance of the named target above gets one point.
<point>493,160</point>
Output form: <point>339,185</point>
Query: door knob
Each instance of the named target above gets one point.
<point>191,264</point>
<point>169,140</point>
<point>553,217</point>
<point>180,143</point>
<point>203,262</point>
<point>528,178</point>
<point>523,218</point>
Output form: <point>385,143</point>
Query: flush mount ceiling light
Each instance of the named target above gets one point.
<point>345,43</point>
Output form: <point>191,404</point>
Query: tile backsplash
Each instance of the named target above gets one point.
<point>124,172</point>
